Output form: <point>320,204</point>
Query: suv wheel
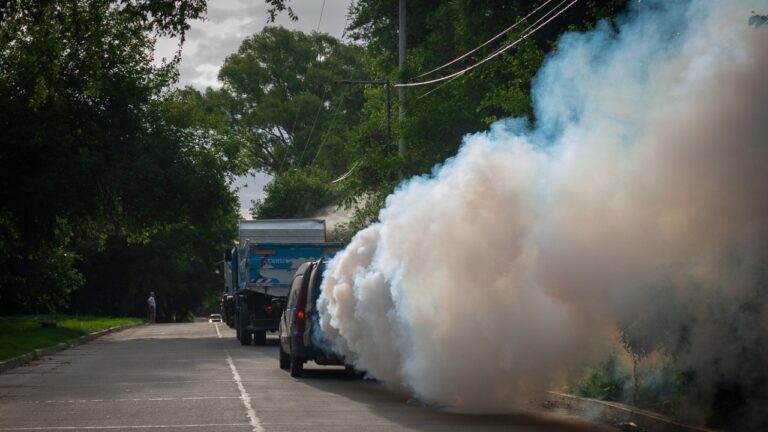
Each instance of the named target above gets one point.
<point>285,359</point>
<point>297,366</point>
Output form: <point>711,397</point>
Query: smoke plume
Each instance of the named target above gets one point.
<point>639,200</point>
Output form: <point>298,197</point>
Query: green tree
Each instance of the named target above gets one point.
<point>277,6</point>
<point>438,116</point>
<point>282,86</point>
<point>183,183</point>
<point>99,163</point>
<point>295,194</point>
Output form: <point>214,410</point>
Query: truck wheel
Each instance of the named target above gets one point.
<point>260,337</point>
<point>285,360</point>
<point>297,366</point>
<point>245,337</point>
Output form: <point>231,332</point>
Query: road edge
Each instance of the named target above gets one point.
<point>624,416</point>
<point>39,353</point>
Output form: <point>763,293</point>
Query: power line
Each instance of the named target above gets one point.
<point>542,18</point>
<point>314,123</point>
<point>526,34</point>
<point>495,54</point>
<point>322,99</point>
<point>507,30</point>
<point>502,48</point>
<point>322,8</point>
<point>293,131</point>
<point>436,88</point>
<point>330,125</point>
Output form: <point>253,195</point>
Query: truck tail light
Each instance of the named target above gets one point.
<point>268,308</point>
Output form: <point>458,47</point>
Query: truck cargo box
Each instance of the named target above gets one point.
<point>269,267</point>
<point>283,231</point>
<point>260,269</point>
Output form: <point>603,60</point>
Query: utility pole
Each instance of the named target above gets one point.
<point>401,64</point>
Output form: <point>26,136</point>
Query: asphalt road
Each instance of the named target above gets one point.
<point>197,377</point>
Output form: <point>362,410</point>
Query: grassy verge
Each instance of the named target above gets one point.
<point>22,334</point>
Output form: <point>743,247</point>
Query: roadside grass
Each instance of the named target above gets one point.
<point>22,334</point>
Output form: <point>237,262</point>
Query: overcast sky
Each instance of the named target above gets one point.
<point>227,23</point>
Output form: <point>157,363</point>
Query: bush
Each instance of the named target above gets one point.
<point>606,381</point>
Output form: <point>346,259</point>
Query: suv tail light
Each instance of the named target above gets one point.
<point>300,315</point>
<point>268,309</point>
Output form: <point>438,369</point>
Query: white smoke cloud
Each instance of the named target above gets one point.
<point>640,196</point>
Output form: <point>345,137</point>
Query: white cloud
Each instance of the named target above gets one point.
<point>250,188</point>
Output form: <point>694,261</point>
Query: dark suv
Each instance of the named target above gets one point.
<point>299,315</point>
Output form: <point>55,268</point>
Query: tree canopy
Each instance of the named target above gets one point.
<point>102,184</point>
<point>115,183</point>
<point>282,85</point>
<point>279,84</point>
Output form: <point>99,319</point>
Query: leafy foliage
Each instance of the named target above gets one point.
<point>112,184</point>
<point>96,164</point>
<point>295,194</point>
<point>277,6</point>
<point>281,85</point>
<point>606,381</point>
<point>437,117</point>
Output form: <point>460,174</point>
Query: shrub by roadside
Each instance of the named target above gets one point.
<point>22,334</point>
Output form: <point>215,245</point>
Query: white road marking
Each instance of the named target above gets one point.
<point>254,423</point>
<point>244,396</point>
<point>124,427</point>
<point>160,399</point>
<point>139,383</point>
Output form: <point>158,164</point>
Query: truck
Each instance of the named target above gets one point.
<point>258,271</point>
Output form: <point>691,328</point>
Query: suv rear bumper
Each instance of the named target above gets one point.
<point>319,357</point>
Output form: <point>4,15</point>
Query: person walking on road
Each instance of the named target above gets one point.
<point>152,307</point>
